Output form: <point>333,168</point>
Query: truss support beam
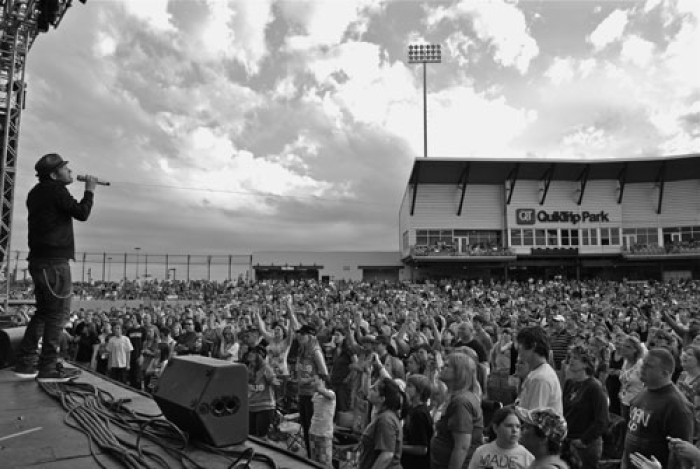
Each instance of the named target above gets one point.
<point>621,181</point>
<point>416,177</point>
<point>463,181</point>
<point>660,183</point>
<point>547,181</point>
<point>511,180</point>
<point>583,181</point>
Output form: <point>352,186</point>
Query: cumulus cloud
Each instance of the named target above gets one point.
<point>609,30</point>
<point>498,23</point>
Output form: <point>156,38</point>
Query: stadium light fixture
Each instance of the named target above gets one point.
<point>425,54</point>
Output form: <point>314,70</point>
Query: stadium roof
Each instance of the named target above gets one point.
<point>497,171</point>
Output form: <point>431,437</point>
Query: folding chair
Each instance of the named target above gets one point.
<point>291,428</point>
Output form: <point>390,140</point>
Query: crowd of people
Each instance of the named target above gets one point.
<point>541,374</point>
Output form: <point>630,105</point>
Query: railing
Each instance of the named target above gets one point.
<point>692,247</point>
<point>449,250</point>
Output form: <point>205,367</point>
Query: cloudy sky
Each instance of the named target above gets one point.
<point>228,127</point>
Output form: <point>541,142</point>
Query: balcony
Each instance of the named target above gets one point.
<point>675,250</point>
<point>446,251</point>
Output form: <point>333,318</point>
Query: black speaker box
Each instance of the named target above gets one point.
<point>206,397</point>
<point>9,344</point>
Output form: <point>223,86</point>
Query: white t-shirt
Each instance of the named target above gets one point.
<point>118,347</point>
<point>492,456</point>
<point>322,420</point>
<point>542,389</point>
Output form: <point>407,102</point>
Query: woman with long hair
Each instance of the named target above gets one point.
<point>612,382</point>
<point>149,352</point>
<point>381,443</point>
<point>630,374</point>
<point>418,424</point>
<point>228,346</point>
<point>505,446</point>
<point>585,407</point>
<point>310,362</point>
<point>689,383</point>
<point>280,342</point>
<point>86,342</point>
<point>100,355</point>
<point>459,431</point>
<point>261,399</point>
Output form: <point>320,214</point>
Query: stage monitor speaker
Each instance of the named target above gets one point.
<point>10,339</point>
<point>205,397</point>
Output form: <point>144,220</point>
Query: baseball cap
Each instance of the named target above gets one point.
<point>558,318</point>
<point>547,420</point>
<point>307,329</point>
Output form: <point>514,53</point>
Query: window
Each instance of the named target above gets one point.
<point>610,236</point>
<point>565,237</point>
<point>615,236</point>
<point>552,238</point>
<point>540,239</point>
<point>528,239</point>
<point>589,237</point>
<point>569,238</point>
<point>405,239</point>
<point>421,237</point>
<point>516,238</point>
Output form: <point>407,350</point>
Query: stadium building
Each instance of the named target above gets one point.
<point>508,219</point>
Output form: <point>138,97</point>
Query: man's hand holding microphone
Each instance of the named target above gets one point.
<point>91,182</point>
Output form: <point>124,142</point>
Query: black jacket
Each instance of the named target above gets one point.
<point>51,212</point>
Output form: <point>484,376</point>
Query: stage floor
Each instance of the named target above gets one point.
<point>33,432</point>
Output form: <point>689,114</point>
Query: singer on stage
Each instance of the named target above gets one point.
<point>51,246</point>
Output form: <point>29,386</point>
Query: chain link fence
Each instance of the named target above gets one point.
<point>116,267</point>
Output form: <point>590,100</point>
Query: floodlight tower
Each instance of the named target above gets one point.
<point>425,54</point>
<point>20,23</point>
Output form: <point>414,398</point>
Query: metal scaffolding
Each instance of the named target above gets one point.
<point>20,23</point>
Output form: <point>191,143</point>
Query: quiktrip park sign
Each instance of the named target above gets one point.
<point>528,216</point>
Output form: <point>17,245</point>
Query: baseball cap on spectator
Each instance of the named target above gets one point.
<point>260,349</point>
<point>551,424</point>
<point>558,318</point>
<point>307,329</point>
<point>663,335</point>
<point>368,339</point>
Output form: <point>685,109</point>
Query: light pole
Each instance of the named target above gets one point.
<point>424,54</point>
<point>109,269</point>
<point>137,262</point>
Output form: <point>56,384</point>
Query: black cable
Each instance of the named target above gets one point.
<point>97,413</point>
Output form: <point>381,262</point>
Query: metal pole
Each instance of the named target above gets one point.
<point>425,111</point>
<point>104,261</point>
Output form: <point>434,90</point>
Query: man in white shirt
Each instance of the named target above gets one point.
<point>541,387</point>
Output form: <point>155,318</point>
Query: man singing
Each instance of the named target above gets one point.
<point>51,246</point>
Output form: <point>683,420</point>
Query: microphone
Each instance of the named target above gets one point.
<point>83,178</point>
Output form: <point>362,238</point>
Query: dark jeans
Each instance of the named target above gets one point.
<point>135,375</point>
<point>119,374</point>
<point>306,411</point>
<point>53,290</point>
<point>259,422</point>
<point>343,397</point>
<point>591,454</point>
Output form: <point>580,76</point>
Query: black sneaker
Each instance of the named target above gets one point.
<point>58,375</point>
<point>26,371</point>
